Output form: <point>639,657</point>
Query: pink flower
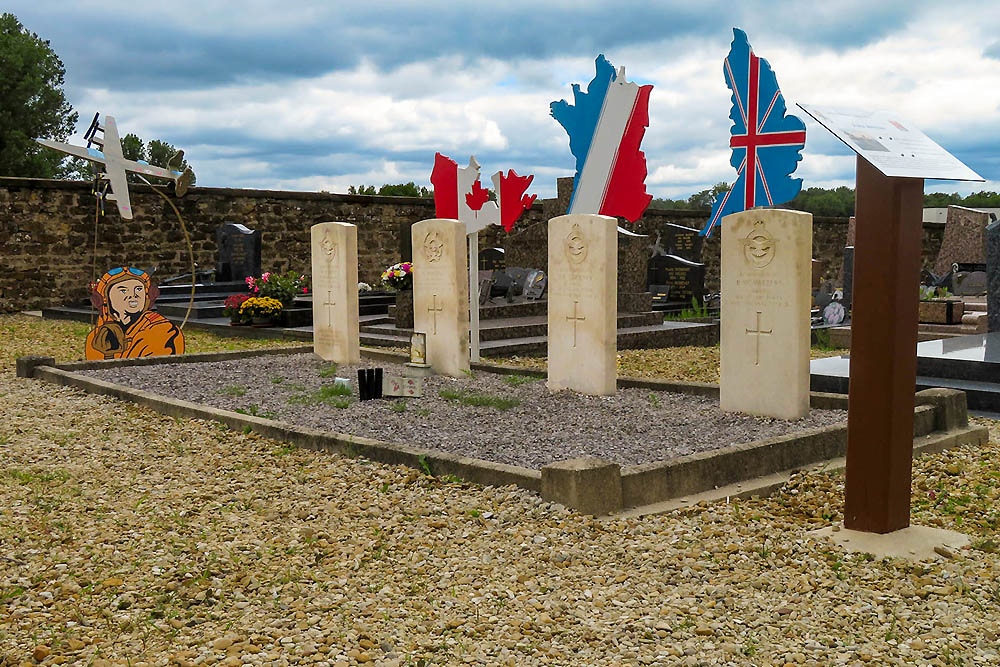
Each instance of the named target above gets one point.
<point>305,290</point>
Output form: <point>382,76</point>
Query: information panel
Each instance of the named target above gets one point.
<point>895,148</point>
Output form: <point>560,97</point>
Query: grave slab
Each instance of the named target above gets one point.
<point>441,293</point>
<point>582,310</point>
<point>766,270</point>
<point>335,291</point>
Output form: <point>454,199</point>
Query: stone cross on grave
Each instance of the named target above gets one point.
<point>758,332</point>
<point>434,309</point>
<point>329,311</point>
<point>575,318</point>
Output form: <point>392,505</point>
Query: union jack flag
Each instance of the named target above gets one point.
<point>766,142</point>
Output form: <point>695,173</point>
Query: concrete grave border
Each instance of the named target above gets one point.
<point>589,485</point>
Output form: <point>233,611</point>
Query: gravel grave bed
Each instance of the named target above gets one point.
<point>536,428</point>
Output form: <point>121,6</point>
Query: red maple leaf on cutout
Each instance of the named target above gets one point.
<point>513,201</point>
<point>477,197</point>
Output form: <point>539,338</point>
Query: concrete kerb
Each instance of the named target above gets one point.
<point>641,485</point>
<point>439,463</point>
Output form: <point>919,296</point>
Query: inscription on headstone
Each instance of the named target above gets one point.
<point>765,333</point>
<point>239,252</point>
<point>441,293</point>
<point>582,309</point>
<point>335,292</point>
<point>680,279</point>
<point>678,240</point>
<point>492,259</point>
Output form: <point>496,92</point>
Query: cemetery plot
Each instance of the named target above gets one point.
<point>504,419</point>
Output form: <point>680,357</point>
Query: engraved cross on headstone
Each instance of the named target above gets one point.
<point>758,332</point>
<point>329,311</point>
<point>434,311</point>
<point>575,318</point>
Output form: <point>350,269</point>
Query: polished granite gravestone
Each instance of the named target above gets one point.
<point>673,279</point>
<point>848,277</point>
<point>993,275</point>
<point>239,252</point>
<point>968,363</point>
<point>678,240</point>
<point>492,259</point>
<point>963,240</point>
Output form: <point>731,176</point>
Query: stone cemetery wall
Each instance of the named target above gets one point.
<point>46,234</point>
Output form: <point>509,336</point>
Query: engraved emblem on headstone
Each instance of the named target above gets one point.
<point>329,247</point>
<point>759,246</point>
<point>433,247</point>
<point>576,245</point>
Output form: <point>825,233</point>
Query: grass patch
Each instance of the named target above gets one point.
<point>479,400</point>
<point>28,477</point>
<point>336,395</point>
<point>233,390</point>
<point>255,411</point>
<point>518,380</point>
<point>398,406</point>
<point>328,371</point>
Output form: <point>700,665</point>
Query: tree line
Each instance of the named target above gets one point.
<point>833,202</point>
<point>33,104</point>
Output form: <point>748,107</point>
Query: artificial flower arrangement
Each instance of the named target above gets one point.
<point>399,276</point>
<point>364,287</point>
<point>283,287</point>
<point>260,307</point>
<point>231,306</point>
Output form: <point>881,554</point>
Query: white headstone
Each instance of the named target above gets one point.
<point>441,293</point>
<point>583,303</point>
<point>765,337</point>
<point>335,292</point>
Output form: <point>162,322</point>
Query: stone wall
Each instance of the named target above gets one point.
<point>47,234</point>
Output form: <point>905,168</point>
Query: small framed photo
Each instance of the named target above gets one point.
<point>418,348</point>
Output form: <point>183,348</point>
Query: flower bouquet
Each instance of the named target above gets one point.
<point>398,276</point>
<point>231,307</point>
<point>282,287</point>
<point>261,310</point>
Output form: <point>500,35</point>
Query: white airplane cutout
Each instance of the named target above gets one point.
<point>115,164</point>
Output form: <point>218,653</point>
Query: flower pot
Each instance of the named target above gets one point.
<point>404,309</point>
<point>262,321</point>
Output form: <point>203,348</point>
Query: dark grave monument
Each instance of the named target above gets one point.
<point>679,241</point>
<point>239,252</point>
<point>969,283</point>
<point>676,280</point>
<point>674,272</point>
<point>492,259</point>
<point>993,276</point>
<point>848,276</point>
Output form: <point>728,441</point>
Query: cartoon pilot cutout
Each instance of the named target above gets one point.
<point>126,327</point>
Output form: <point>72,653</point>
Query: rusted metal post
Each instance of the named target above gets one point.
<point>889,218</point>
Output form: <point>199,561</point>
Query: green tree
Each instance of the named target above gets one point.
<point>392,190</point>
<point>32,103</point>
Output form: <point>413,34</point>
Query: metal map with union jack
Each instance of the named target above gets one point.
<point>766,142</point>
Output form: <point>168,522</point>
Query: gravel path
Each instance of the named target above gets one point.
<point>132,538</point>
<point>634,426</point>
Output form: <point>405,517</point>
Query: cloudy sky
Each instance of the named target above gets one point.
<point>300,95</point>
